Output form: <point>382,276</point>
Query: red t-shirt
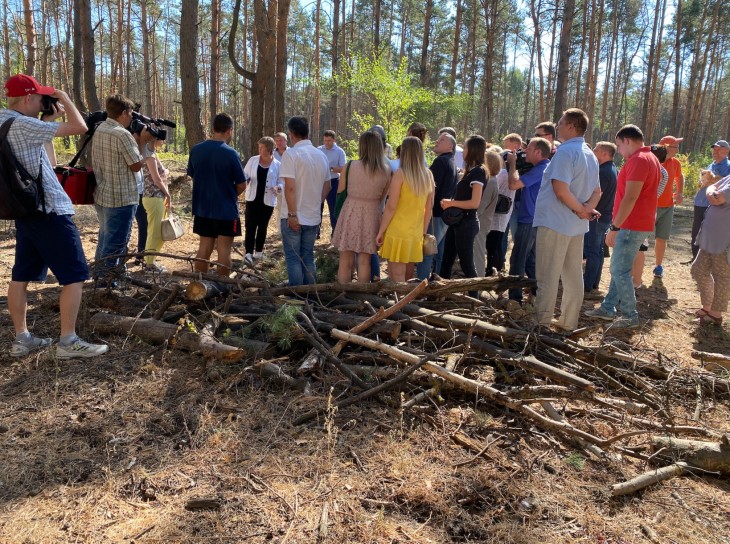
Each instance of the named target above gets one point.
<point>641,166</point>
<point>674,171</point>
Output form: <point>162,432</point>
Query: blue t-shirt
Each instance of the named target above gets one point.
<point>532,180</point>
<point>721,169</point>
<point>575,164</point>
<point>216,170</point>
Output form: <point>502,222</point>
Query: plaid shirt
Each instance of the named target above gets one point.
<point>27,136</point>
<point>114,151</point>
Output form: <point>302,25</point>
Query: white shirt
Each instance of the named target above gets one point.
<point>459,157</point>
<point>273,183</point>
<point>310,169</point>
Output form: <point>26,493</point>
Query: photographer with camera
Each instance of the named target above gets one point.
<point>116,158</point>
<point>49,238</point>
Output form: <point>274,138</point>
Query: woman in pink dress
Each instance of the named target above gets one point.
<point>366,181</point>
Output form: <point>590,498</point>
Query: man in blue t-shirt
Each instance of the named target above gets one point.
<point>522,259</point>
<point>218,179</point>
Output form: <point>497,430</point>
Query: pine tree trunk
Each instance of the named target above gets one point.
<point>215,58</point>
<point>31,43</point>
<point>189,73</point>
<point>424,44</point>
<point>561,86</point>
<point>89,64</point>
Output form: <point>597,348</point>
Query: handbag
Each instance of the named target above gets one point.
<point>452,216</point>
<point>172,227</point>
<point>341,196</point>
<point>504,204</point>
<point>430,245</point>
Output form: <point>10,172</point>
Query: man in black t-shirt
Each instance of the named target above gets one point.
<point>593,245</point>
<point>444,173</point>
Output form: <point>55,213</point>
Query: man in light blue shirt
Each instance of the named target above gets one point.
<point>719,168</point>
<point>568,194</point>
<point>337,160</point>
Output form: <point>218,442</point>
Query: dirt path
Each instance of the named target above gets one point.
<point>110,450</point>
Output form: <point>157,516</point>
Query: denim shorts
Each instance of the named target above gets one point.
<point>49,241</point>
<point>213,228</point>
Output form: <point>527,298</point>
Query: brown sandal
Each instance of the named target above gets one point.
<point>708,319</point>
<point>701,312</point>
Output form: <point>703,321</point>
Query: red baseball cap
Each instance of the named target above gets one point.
<point>21,85</point>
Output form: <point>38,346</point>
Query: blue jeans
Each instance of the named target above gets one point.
<point>438,229</point>
<point>621,290</point>
<point>299,253</point>
<point>115,228</point>
<point>522,259</point>
<point>593,252</point>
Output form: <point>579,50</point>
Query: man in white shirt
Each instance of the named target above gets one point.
<point>306,174</point>
<point>280,145</point>
<point>337,160</point>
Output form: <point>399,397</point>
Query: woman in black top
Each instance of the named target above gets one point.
<point>459,239</point>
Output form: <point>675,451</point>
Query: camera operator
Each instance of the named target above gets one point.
<point>116,159</point>
<point>50,239</point>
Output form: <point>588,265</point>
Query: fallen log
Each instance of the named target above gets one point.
<point>526,362</point>
<point>326,321</point>
<point>708,456</point>
<point>712,361</point>
<point>204,289</point>
<point>477,388</point>
<point>159,332</point>
<point>648,478</point>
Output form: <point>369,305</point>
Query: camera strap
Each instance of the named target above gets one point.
<point>73,162</point>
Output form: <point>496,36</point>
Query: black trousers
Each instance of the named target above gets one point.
<point>459,241</point>
<point>699,215</point>
<point>257,217</point>
<point>495,256</point>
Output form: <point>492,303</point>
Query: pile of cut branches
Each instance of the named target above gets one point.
<point>410,346</point>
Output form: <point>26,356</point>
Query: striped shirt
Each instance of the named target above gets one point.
<point>114,151</point>
<point>27,137</point>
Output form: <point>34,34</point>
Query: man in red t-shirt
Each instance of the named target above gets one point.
<point>671,195</point>
<point>634,213</point>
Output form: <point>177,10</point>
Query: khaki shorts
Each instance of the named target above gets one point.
<point>663,224</point>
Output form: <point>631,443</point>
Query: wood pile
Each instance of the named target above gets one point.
<point>412,345</point>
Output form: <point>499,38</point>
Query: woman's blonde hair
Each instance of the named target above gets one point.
<point>494,162</point>
<point>413,163</point>
<point>372,154</point>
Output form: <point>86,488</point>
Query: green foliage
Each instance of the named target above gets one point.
<point>281,325</point>
<point>691,166</point>
<point>326,263</point>
<point>388,92</point>
<point>575,460</point>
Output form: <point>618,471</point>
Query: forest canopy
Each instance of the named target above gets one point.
<point>486,66</point>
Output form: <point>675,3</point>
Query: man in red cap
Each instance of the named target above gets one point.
<point>671,196</point>
<point>50,239</point>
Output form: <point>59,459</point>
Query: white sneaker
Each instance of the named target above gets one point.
<point>248,259</point>
<point>80,348</point>
<point>21,348</point>
<point>258,255</point>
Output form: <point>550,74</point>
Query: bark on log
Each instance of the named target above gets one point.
<point>159,332</point>
<point>709,456</point>
<point>712,361</point>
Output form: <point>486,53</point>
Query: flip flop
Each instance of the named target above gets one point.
<point>708,319</point>
<point>701,312</point>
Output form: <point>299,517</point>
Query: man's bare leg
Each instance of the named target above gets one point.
<point>18,305</point>
<point>660,247</point>
<point>205,249</point>
<point>69,303</point>
<point>225,246</point>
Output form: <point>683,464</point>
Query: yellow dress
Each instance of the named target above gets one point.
<point>403,240</point>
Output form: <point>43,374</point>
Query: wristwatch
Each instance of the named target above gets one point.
<point>291,214</point>
<point>613,228</point>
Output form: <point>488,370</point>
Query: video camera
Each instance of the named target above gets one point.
<point>521,164</point>
<point>153,126</point>
<point>49,104</point>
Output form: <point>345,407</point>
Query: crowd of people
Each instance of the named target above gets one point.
<point>561,203</point>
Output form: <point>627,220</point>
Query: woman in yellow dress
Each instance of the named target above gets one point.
<point>407,212</point>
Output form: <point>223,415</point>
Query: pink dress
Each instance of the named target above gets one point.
<point>359,221</point>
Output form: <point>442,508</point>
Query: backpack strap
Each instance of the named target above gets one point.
<point>4,129</point>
